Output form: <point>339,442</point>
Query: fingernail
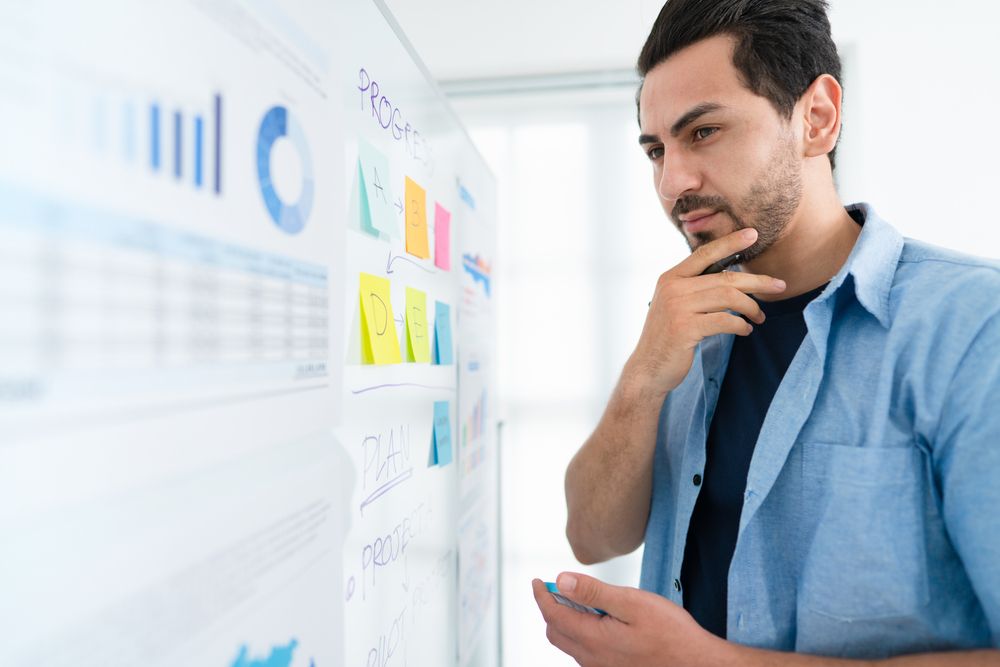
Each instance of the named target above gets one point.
<point>567,583</point>
<point>749,233</point>
<point>780,284</point>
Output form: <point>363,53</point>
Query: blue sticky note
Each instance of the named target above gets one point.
<point>378,191</point>
<point>442,433</point>
<point>443,354</point>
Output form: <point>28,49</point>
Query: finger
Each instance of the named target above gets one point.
<point>595,593</point>
<point>572,625</point>
<point>719,299</point>
<point>709,253</point>
<point>552,611</point>
<point>748,283</point>
<point>553,620</point>
<point>713,324</point>
<point>564,643</point>
<point>542,598</point>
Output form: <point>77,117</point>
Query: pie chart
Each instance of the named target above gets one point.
<point>290,217</point>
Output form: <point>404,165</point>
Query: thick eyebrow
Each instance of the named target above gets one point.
<point>691,116</point>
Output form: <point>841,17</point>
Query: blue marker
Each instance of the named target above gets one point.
<point>561,599</point>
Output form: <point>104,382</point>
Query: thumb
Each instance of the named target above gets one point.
<point>595,593</point>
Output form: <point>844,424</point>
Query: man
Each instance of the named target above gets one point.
<point>808,445</point>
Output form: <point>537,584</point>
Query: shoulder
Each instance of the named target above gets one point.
<point>939,285</point>
<point>944,311</point>
<point>944,271</point>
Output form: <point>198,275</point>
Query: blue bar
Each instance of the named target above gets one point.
<point>178,136</point>
<point>218,144</point>
<point>154,137</point>
<point>198,129</point>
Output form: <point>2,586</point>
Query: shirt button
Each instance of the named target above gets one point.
<point>677,585</point>
<point>697,480</point>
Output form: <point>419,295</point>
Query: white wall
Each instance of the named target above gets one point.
<point>921,139</point>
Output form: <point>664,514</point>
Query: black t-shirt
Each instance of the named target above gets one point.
<point>756,366</point>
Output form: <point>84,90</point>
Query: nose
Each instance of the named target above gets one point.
<point>677,178</point>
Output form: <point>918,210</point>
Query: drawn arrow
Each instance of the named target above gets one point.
<point>391,259</point>
<point>399,205</point>
<point>400,321</point>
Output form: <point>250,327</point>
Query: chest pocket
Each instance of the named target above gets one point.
<point>868,554</point>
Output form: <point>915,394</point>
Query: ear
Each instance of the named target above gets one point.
<point>821,105</point>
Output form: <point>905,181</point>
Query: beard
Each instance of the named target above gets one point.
<point>767,207</point>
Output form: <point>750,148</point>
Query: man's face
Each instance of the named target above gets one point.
<point>723,158</point>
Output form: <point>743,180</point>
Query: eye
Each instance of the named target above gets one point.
<point>654,153</point>
<point>703,133</point>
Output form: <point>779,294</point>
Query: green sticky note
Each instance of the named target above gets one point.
<point>417,336</point>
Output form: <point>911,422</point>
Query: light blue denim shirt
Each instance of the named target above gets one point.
<point>871,514</point>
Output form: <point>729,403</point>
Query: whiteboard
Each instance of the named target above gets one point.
<point>197,466</point>
<point>432,596</point>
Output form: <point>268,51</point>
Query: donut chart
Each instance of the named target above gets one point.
<point>290,217</point>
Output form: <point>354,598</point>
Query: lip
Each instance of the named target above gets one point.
<point>698,222</point>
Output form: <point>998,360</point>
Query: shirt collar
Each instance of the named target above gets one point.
<point>872,264</point>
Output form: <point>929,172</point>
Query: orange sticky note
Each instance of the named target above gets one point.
<point>416,220</point>
<point>442,237</point>
<point>379,343</point>
<point>418,340</point>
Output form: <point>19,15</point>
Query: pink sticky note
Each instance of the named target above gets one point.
<point>442,237</point>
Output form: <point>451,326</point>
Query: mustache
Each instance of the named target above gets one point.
<point>695,202</point>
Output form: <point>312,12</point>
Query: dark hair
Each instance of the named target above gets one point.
<point>782,46</point>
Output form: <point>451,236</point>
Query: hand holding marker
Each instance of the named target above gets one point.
<point>563,600</point>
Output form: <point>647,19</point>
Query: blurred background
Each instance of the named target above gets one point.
<point>546,90</point>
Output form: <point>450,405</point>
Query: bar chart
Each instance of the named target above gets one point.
<point>182,137</point>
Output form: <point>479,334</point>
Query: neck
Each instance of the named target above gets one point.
<point>813,246</point>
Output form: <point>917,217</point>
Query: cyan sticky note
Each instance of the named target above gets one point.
<point>377,190</point>
<point>363,207</point>
<point>442,433</point>
<point>443,354</point>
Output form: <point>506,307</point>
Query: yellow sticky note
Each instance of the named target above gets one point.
<point>416,220</point>
<point>379,342</point>
<point>418,340</point>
